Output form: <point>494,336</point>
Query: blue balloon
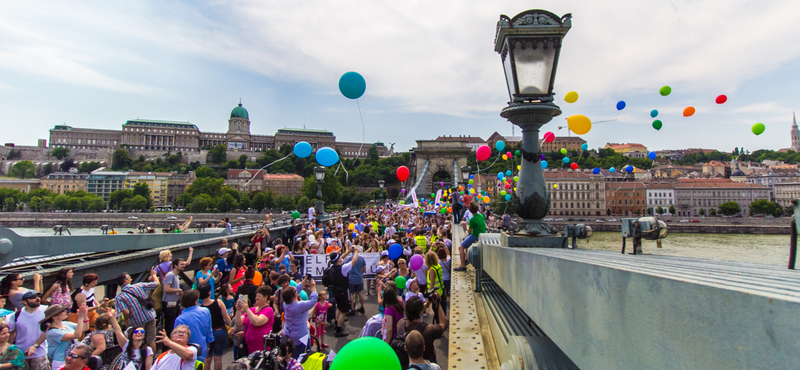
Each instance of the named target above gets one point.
<point>469,185</point>
<point>508,197</point>
<point>355,235</point>
<point>471,176</point>
<point>544,164</point>
<point>327,157</point>
<point>653,113</point>
<point>620,105</point>
<point>596,170</point>
<point>500,145</point>
<point>629,169</point>
<point>302,149</point>
<point>352,85</point>
<point>651,155</point>
<point>584,146</point>
<point>303,295</point>
<point>508,173</point>
<point>612,169</point>
<point>565,160</point>
<point>500,175</point>
<point>395,251</point>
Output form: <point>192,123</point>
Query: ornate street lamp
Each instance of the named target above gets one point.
<point>529,45</point>
<point>465,172</point>
<point>319,174</point>
<point>380,185</point>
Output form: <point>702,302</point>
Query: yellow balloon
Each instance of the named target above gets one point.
<point>486,200</point>
<point>505,157</point>
<point>571,97</point>
<point>579,124</point>
<point>555,186</point>
<point>352,226</point>
<point>519,168</point>
<point>515,189</point>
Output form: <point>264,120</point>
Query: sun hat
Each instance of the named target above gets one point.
<point>52,311</point>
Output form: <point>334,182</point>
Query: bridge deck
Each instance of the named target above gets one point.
<point>609,310</point>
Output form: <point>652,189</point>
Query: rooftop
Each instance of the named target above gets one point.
<point>149,174</point>
<point>152,122</point>
<point>291,130</point>
<point>279,176</point>
<point>469,139</point>
<point>551,174</point>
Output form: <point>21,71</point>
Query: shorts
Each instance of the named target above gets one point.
<point>468,241</point>
<point>149,331</point>
<point>355,288</point>
<point>342,300</point>
<point>217,347</point>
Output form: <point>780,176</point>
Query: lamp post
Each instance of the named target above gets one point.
<point>529,45</point>
<point>465,172</point>
<point>381,183</point>
<point>319,174</point>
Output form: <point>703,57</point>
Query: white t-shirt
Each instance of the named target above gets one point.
<point>422,279</point>
<point>136,358</point>
<point>27,328</point>
<point>408,296</point>
<point>311,213</point>
<point>171,361</point>
<point>467,215</point>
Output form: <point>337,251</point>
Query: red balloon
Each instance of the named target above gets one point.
<point>549,137</point>
<point>574,166</point>
<point>402,173</point>
<point>483,153</point>
<point>721,99</point>
<point>466,199</point>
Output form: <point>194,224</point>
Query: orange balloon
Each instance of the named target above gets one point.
<point>688,112</point>
<point>257,278</point>
<point>450,209</point>
<point>461,188</point>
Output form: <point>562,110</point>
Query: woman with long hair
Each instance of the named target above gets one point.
<point>11,357</point>
<point>237,274</point>
<point>393,312</point>
<point>11,287</point>
<point>60,291</point>
<point>134,349</point>
<point>61,333</point>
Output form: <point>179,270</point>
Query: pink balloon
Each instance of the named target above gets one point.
<point>508,154</point>
<point>441,184</point>
<point>483,153</point>
<point>549,137</point>
<point>416,262</point>
<point>402,190</point>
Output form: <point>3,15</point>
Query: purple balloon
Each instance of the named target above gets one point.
<point>542,156</point>
<point>416,262</point>
<point>402,190</point>
<point>441,184</point>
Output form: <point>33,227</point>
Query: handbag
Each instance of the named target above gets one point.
<point>244,351</point>
<point>158,293</point>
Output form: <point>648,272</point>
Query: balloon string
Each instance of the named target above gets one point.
<point>346,174</point>
<point>259,170</point>
<point>363,135</point>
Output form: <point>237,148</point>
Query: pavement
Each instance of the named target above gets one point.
<point>354,324</point>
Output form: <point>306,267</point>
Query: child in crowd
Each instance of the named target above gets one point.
<point>321,317</point>
<point>412,290</point>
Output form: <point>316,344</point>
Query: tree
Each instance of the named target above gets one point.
<point>712,212</point>
<point>212,187</point>
<point>67,164</point>
<point>259,202</point>
<point>671,209</point>
<point>116,197</point>
<point>660,210</point>
<point>87,167</point>
<point>47,169</point>
<point>285,202</point>
<point>14,154</point>
<point>730,208</point>
<point>232,164</point>
<point>244,202</point>
<point>126,204</point>
<point>702,212</point>
<point>763,207</point>
<point>200,203</point>
<point>304,203</point>
<point>218,154</point>
<point>243,161</point>
<point>138,203</point>
<point>269,199</point>
<point>331,188</point>
<point>9,205</point>
<point>206,172</point>
<point>59,153</point>
<point>35,204</point>
<point>225,203</point>
<point>141,188</point>
<point>97,204</point>
<point>22,169</point>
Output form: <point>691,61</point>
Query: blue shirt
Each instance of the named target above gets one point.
<point>360,227</point>
<point>198,319</point>
<point>199,275</point>
<point>223,266</point>
<point>56,348</point>
<point>356,273</point>
<point>296,317</point>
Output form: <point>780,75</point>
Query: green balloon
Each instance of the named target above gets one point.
<point>443,211</point>
<point>368,351</point>
<point>517,152</point>
<point>516,178</point>
<point>563,150</point>
<point>295,214</point>
<point>433,195</point>
<point>503,192</point>
<point>665,90</point>
<point>400,281</point>
<point>758,128</point>
<point>402,202</point>
<point>657,124</point>
<point>471,181</point>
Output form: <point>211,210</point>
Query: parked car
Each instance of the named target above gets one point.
<point>548,219</point>
<point>695,221</point>
<point>612,220</point>
<point>581,219</point>
<point>559,219</point>
<point>240,218</point>
<point>669,220</point>
<point>600,221</point>
<point>171,218</point>
<point>570,219</point>
<point>133,218</point>
<point>684,220</point>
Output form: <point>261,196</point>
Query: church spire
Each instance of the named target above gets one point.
<point>794,120</point>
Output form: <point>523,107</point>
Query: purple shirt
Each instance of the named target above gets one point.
<point>295,317</point>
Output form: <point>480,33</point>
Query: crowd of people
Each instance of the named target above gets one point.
<point>246,292</point>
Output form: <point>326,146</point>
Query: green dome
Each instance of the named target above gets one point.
<point>240,112</point>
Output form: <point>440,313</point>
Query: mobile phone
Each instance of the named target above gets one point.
<point>243,298</point>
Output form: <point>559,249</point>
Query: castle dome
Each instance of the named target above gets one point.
<point>738,172</point>
<point>240,112</point>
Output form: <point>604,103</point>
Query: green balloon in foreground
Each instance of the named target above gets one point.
<point>369,351</point>
<point>758,128</point>
<point>665,90</point>
<point>657,124</point>
<point>400,281</point>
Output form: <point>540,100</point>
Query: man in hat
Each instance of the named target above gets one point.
<point>26,332</point>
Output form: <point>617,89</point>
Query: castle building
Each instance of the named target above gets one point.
<point>795,134</point>
<point>174,136</point>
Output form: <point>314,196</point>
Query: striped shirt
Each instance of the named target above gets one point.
<point>139,315</point>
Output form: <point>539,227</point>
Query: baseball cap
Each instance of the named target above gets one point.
<point>223,251</point>
<point>385,253</point>
<point>379,268</point>
<point>30,294</point>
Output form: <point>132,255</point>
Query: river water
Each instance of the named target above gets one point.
<point>766,249</point>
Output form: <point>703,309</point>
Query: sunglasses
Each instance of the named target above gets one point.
<point>138,331</point>
<point>180,332</point>
<point>74,356</point>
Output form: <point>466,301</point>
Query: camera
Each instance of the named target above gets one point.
<point>268,360</point>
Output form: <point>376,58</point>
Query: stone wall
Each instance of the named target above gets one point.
<point>39,156</point>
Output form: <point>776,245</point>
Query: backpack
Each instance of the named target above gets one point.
<point>327,277</point>
<point>399,342</point>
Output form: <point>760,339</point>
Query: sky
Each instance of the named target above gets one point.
<point>430,68</point>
